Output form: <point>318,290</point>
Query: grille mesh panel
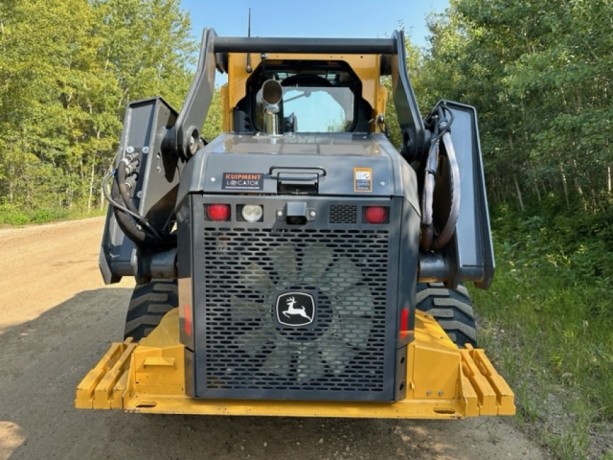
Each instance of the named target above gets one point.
<point>343,214</point>
<point>247,348</point>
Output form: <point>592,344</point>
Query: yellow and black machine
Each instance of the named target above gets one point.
<point>299,264</point>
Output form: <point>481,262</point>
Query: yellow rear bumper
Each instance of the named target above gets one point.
<point>443,382</point>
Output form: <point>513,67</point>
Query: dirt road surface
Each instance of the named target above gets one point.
<point>56,320</point>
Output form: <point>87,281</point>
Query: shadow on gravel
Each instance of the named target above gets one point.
<point>43,360</point>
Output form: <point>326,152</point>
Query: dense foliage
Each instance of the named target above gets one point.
<point>539,74</point>
<point>67,69</point>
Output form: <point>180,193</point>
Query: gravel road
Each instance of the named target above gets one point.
<point>56,320</point>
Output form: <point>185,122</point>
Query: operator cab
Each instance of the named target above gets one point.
<point>314,97</point>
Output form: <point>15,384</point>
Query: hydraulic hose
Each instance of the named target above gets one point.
<point>427,228</point>
<point>125,222</point>
<point>445,235</point>
<point>120,179</point>
<point>430,238</point>
<point>133,225</point>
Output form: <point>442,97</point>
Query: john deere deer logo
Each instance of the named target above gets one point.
<point>295,309</point>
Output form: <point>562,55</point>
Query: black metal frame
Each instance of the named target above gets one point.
<point>182,139</point>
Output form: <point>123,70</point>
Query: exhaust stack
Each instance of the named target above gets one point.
<point>272,97</point>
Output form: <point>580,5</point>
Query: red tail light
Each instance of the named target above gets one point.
<point>404,323</point>
<point>376,214</point>
<point>218,212</point>
<point>187,319</point>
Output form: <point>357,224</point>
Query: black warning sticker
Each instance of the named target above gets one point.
<point>362,179</point>
<point>242,181</point>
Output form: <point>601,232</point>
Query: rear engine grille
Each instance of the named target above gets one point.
<point>258,279</point>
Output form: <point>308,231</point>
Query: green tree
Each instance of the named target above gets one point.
<point>46,65</point>
<point>542,89</point>
<point>147,45</point>
<point>67,70</point>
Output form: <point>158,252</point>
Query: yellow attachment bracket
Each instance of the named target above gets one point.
<point>443,382</point>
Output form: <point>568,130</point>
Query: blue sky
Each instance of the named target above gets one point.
<point>314,18</point>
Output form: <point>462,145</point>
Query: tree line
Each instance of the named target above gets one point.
<point>538,72</point>
<point>67,70</point>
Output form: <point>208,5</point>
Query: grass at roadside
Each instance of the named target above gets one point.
<point>18,216</point>
<point>547,321</point>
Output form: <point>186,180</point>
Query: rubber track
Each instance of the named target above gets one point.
<point>451,308</point>
<point>149,303</point>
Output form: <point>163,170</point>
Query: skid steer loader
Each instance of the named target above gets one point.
<point>298,264</point>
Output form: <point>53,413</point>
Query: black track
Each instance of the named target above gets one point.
<point>451,308</point>
<point>149,303</point>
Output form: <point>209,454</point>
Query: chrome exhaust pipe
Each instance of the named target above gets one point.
<point>272,97</point>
